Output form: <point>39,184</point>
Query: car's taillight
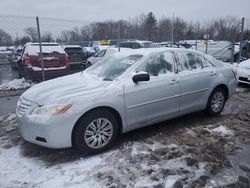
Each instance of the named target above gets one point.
<point>66,59</point>
<point>27,59</point>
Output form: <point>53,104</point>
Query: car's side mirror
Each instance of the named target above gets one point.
<point>141,76</point>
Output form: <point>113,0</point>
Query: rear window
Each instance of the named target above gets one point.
<point>46,49</point>
<point>73,50</point>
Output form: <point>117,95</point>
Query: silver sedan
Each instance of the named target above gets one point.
<point>125,91</point>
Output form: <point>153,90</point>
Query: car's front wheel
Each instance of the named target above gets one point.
<point>216,101</point>
<point>95,132</point>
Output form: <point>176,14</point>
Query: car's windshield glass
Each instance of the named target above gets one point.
<point>113,66</point>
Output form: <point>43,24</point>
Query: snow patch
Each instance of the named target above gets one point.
<point>223,131</point>
<point>19,171</point>
<point>15,84</point>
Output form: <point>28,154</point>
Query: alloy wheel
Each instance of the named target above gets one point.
<point>98,133</point>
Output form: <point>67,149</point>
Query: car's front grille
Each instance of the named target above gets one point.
<point>244,79</point>
<point>23,106</point>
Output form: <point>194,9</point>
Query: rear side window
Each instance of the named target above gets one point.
<point>194,61</point>
<point>206,63</point>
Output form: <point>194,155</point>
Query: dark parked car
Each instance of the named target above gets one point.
<point>55,61</point>
<point>77,56</point>
<point>15,57</point>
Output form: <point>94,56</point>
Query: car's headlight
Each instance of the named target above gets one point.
<point>50,109</point>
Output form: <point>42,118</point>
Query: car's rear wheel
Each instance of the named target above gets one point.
<point>216,101</point>
<point>95,132</point>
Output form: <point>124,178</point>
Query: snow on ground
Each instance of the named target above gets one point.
<point>17,170</point>
<point>222,130</point>
<point>15,84</point>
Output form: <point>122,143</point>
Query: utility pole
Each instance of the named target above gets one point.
<point>241,37</point>
<point>40,47</point>
<point>233,47</point>
<point>172,32</point>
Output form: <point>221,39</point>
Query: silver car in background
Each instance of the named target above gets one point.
<point>126,91</point>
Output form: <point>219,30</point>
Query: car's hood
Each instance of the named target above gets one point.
<point>65,89</point>
<point>245,64</point>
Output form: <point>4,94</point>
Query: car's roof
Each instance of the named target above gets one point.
<point>43,43</point>
<point>72,46</point>
<point>147,51</point>
<point>138,41</point>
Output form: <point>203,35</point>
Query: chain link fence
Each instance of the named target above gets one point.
<point>42,48</point>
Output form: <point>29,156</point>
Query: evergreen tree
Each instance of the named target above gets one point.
<point>150,26</point>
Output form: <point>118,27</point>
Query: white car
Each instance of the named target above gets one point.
<point>102,54</point>
<point>122,92</point>
<point>243,72</point>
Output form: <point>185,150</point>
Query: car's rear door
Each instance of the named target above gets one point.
<point>157,98</point>
<point>195,81</point>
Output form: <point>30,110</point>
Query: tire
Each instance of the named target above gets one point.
<point>216,101</point>
<point>91,141</point>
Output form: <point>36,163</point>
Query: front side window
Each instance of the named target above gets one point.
<point>193,60</point>
<point>182,62</point>
<point>159,64</point>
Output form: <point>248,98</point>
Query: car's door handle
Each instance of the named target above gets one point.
<point>212,73</point>
<point>174,81</point>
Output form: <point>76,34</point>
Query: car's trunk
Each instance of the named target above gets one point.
<point>49,60</point>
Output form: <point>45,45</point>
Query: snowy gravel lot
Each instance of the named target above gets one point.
<point>191,151</point>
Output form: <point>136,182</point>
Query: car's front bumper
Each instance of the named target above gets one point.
<point>49,131</point>
<point>243,75</point>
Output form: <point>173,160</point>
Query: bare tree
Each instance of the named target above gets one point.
<point>47,37</point>
<point>32,32</point>
<point>5,38</point>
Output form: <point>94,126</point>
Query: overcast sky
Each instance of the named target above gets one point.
<point>99,10</point>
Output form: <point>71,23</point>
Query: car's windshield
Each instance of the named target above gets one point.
<point>113,66</point>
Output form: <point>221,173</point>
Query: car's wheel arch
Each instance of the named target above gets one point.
<point>105,108</point>
<point>224,87</point>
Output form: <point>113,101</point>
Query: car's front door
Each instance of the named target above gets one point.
<point>157,98</point>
